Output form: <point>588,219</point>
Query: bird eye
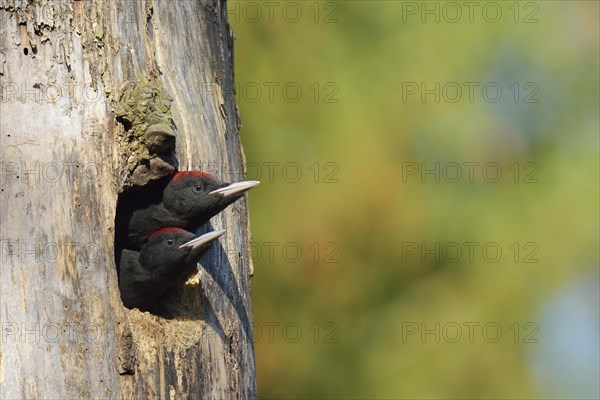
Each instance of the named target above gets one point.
<point>197,188</point>
<point>170,242</point>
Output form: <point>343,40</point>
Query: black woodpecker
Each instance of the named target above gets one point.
<point>168,260</point>
<point>187,200</point>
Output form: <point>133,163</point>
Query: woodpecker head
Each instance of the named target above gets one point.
<point>173,252</point>
<point>198,196</point>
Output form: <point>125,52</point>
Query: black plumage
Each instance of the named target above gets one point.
<point>164,263</point>
<point>187,200</point>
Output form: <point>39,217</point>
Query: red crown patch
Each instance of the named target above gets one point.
<point>184,174</point>
<point>165,230</point>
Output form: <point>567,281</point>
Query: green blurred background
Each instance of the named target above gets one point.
<point>357,117</point>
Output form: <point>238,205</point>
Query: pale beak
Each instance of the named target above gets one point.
<point>204,239</point>
<point>235,188</point>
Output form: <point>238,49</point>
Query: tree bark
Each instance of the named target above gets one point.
<point>65,159</point>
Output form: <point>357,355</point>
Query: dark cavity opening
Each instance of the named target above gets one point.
<point>127,125</point>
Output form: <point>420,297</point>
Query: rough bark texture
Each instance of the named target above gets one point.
<point>64,160</point>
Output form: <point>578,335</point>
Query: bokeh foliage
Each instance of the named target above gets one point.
<point>366,209</point>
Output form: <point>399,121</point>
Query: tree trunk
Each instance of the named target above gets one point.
<point>65,157</point>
